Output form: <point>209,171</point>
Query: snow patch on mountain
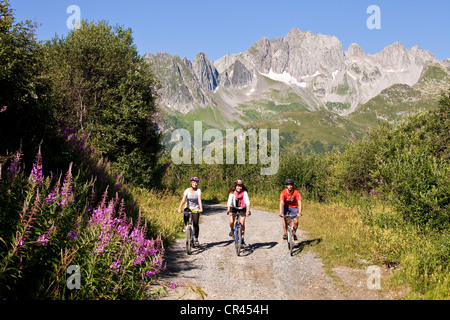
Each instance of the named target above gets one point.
<point>285,77</point>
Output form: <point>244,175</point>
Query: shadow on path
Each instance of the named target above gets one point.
<point>212,209</point>
<point>310,243</point>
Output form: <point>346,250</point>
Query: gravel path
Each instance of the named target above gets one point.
<point>264,271</point>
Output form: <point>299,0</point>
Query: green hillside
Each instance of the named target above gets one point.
<point>400,100</point>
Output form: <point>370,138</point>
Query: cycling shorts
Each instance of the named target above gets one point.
<point>239,211</point>
<point>290,212</point>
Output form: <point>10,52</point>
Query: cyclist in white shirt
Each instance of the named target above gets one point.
<point>193,195</point>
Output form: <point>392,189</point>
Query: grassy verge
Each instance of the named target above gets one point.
<point>160,210</point>
<point>362,236</point>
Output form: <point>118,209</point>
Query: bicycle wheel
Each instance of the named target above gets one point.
<point>290,241</point>
<point>189,242</point>
<point>238,240</point>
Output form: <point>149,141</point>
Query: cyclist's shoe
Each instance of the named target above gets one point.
<point>285,236</point>
<point>184,229</point>
<point>243,242</point>
<point>196,243</point>
<point>295,237</point>
<point>231,234</point>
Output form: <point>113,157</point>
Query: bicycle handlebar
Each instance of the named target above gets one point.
<point>235,213</point>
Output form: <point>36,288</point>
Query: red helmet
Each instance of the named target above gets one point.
<point>238,183</point>
<point>194,179</point>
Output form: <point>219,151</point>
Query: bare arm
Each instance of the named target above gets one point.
<point>299,206</point>
<point>181,203</point>
<point>281,207</point>
<point>200,203</point>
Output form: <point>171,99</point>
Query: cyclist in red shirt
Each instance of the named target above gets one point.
<point>290,205</point>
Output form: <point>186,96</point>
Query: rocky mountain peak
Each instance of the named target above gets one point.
<point>205,72</point>
<point>355,51</point>
<point>295,33</point>
<point>241,75</point>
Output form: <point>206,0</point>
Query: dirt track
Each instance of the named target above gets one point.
<point>264,271</point>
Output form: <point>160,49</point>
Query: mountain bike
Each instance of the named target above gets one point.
<point>189,234</point>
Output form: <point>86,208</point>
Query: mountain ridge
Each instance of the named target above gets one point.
<point>312,61</point>
<point>305,71</point>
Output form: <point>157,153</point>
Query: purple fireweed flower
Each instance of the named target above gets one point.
<point>37,176</point>
<point>66,190</point>
<point>97,217</point>
<point>99,250</point>
<point>51,197</point>
<point>157,262</point>
<point>122,230</point>
<point>72,235</point>
<point>149,274</point>
<point>117,289</point>
<point>153,251</point>
<point>43,239</point>
<point>14,167</point>
<point>67,131</point>
<point>27,219</point>
<point>115,266</point>
<point>104,238</point>
<point>137,236</point>
<point>139,261</point>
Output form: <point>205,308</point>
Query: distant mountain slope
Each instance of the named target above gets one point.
<point>319,95</point>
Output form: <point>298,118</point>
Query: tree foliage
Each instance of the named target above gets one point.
<point>26,117</point>
<point>103,88</point>
<point>406,162</point>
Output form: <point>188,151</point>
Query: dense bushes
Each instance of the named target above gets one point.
<point>408,164</point>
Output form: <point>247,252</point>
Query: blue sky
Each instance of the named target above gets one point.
<point>216,27</point>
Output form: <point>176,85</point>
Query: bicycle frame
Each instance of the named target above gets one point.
<point>237,233</point>
<point>189,234</point>
<point>290,232</point>
<point>289,223</point>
